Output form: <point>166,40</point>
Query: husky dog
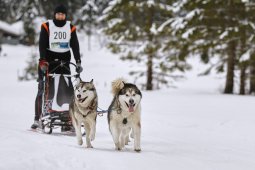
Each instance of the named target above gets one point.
<point>83,110</point>
<point>124,114</point>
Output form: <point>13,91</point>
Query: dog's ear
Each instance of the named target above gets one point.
<point>123,83</point>
<point>91,81</point>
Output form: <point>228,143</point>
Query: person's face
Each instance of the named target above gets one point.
<point>60,16</point>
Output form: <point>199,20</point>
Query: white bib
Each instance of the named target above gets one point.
<point>59,37</point>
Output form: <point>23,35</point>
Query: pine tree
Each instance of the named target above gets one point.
<point>132,29</point>
<point>212,28</point>
<point>47,7</point>
<point>29,11</point>
<point>88,16</point>
<point>250,40</point>
<point>3,10</point>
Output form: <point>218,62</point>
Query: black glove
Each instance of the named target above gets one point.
<point>79,68</point>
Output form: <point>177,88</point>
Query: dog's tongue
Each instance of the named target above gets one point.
<point>131,108</point>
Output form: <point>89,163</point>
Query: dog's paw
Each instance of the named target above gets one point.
<point>117,148</point>
<point>89,146</point>
<point>80,142</point>
<point>122,145</point>
<point>138,149</point>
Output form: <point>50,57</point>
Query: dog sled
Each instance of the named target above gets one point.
<point>57,94</point>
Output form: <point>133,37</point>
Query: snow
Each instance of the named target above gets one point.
<point>113,22</point>
<point>150,3</point>
<point>245,56</point>
<point>177,6</point>
<point>252,25</point>
<point>188,33</point>
<point>224,34</point>
<point>192,13</point>
<point>15,28</point>
<point>153,29</point>
<point>178,23</point>
<point>165,6</point>
<point>111,5</point>
<point>162,26</point>
<point>192,127</point>
<point>88,5</point>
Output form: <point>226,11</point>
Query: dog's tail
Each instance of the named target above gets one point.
<point>117,85</point>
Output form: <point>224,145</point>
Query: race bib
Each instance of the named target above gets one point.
<point>59,37</point>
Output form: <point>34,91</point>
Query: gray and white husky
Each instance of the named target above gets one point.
<point>124,114</point>
<point>82,110</point>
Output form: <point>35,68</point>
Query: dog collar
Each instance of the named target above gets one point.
<point>90,108</point>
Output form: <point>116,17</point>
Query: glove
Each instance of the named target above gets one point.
<point>79,68</point>
<point>43,64</point>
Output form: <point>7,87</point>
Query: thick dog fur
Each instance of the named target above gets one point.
<point>83,111</point>
<point>124,114</point>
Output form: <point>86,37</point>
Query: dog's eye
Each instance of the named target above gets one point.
<point>126,95</point>
<point>133,94</point>
<point>84,91</point>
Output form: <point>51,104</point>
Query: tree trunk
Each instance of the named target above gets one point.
<point>89,33</point>
<point>149,85</point>
<point>242,79</point>
<point>243,64</point>
<point>229,86</point>
<point>252,75</point>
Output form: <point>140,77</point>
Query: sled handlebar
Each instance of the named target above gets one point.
<point>65,75</point>
<point>62,63</point>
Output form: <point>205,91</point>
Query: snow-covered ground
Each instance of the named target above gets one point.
<point>192,127</point>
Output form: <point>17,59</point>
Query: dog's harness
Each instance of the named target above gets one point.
<point>88,108</point>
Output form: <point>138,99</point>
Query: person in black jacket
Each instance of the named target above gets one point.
<point>57,37</point>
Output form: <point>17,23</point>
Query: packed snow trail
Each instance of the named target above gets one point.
<point>193,127</point>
